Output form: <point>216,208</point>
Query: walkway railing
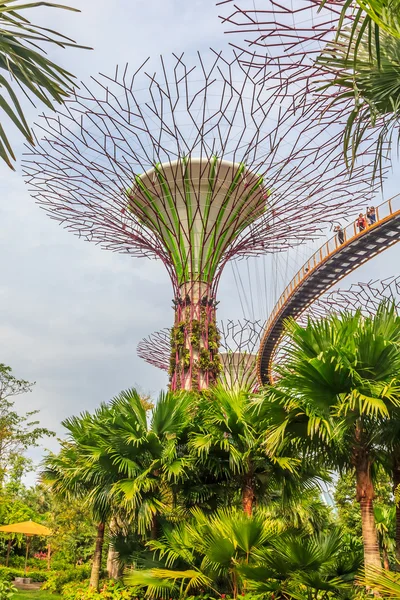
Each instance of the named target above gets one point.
<point>384,212</point>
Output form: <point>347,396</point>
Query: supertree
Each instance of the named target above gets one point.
<point>239,344</point>
<point>195,165</point>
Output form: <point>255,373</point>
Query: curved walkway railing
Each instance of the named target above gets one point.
<point>330,263</point>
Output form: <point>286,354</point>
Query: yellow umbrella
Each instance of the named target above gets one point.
<point>28,528</point>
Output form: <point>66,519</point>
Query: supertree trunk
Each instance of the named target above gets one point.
<point>195,363</point>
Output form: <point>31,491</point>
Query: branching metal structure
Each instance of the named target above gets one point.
<point>194,164</point>
<point>239,344</point>
<point>286,35</point>
<point>365,297</point>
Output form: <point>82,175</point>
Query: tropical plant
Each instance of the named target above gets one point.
<point>374,83</point>
<point>293,566</point>
<point>204,552</point>
<point>384,520</point>
<point>25,65</point>
<point>340,381</point>
<point>119,464</point>
<point>230,444</point>
<point>389,435</point>
<point>384,583</point>
<point>372,17</point>
<point>233,553</point>
<point>77,473</point>
<point>362,63</point>
<point>7,590</point>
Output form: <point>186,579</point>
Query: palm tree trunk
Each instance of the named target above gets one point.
<point>96,566</point>
<point>365,496</point>
<point>248,495</point>
<point>113,568</point>
<point>396,484</point>
<point>386,564</point>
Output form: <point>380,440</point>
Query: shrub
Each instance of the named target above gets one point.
<point>57,579</point>
<point>36,564</point>
<point>109,590</point>
<point>9,574</point>
<point>6,590</point>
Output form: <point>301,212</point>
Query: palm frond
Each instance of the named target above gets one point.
<point>23,61</point>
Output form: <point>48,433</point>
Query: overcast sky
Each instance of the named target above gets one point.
<point>71,315</point>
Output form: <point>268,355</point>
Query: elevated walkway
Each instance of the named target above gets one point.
<point>327,266</point>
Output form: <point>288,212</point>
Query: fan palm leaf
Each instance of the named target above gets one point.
<point>24,65</point>
<point>386,584</point>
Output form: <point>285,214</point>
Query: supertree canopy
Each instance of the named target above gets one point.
<point>194,164</point>
<point>291,34</point>
<point>239,345</point>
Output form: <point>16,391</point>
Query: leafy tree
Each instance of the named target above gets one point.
<point>75,477</point>
<point>339,382</point>
<point>17,432</point>
<point>25,66</point>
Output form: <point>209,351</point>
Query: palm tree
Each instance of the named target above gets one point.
<point>25,65</point>
<point>374,17</point>
<point>151,457</point>
<point>232,553</point>
<point>302,566</point>
<point>230,444</point>
<point>120,464</point>
<point>77,472</point>
<point>386,584</point>
<point>339,381</point>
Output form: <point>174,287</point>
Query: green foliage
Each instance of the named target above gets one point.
<point>24,65</point>
<point>231,553</point>
<point>338,397</point>
<point>6,590</point>
<point>304,566</point>
<point>9,574</point>
<point>73,532</point>
<point>364,62</point>
<point>385,584</point>
<point>56,580</point>
<point>17,432</point>
<point>195,334</point>
<point>108,590</point>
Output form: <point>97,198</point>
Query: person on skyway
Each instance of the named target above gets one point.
<point>361,222</point>
<point>339,234</point>
<point>371,215</point>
